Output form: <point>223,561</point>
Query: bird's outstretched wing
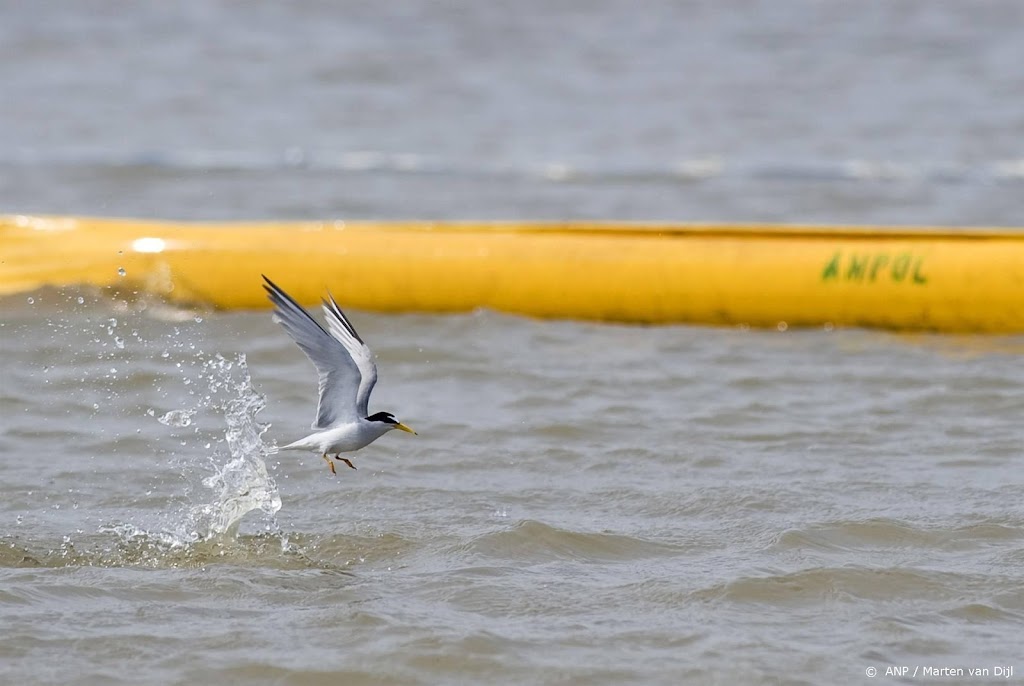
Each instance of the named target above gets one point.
<point>344,363</point>
<point>342,329</point>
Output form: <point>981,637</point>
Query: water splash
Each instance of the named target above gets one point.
<point>224,483</point>
<point>242,483</point>
<point>227,477</point>
<point>179,418</point>
<point>213,493</point>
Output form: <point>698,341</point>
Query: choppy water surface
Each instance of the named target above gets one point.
<point>584,503</point>
<point>795,110</point>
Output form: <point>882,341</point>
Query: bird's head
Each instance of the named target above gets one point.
<point>388,419</point>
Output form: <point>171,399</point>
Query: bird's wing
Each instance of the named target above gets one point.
<point>335,358</point>
<point>342,329</point>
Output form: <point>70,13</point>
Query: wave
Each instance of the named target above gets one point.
<point>532,541</point>
<point>127,545</point>
<point>886,533</point>
<point>554,171</point>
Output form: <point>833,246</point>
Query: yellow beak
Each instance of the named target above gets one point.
<point>403,427</point>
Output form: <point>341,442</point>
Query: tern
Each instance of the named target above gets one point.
<point>347,376</point>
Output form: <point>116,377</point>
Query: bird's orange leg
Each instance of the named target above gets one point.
<point>345,460</point>
<point>329,463</point>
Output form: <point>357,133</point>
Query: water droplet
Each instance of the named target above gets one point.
<point>119,342</point>
<point>81,300</point>
<point>95,406</point>
<point>31,301</point>
<point>177,418</point>
<point>198,320</point>
<point>121,271</point>
<point>165,354</point>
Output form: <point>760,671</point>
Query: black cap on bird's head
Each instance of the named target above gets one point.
<point>388,418</point>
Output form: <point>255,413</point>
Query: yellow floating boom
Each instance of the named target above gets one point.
<point>762,275</point>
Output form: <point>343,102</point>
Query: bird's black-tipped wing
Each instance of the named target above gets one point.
<point>342,329</point>
<point>344,363</point>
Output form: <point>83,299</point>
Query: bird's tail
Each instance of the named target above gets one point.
<point>297,445</point>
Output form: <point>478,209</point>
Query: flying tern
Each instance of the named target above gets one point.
<point>347,375</point>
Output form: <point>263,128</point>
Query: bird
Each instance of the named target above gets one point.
<point>347,376</point>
